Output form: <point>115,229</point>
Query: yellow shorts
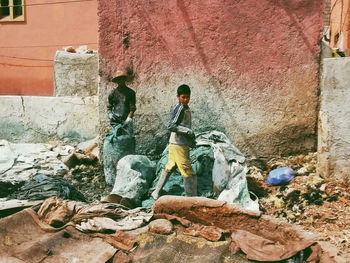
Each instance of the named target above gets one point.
<point>179,155</point>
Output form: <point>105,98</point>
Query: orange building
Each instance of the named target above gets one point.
<point>31,31</point>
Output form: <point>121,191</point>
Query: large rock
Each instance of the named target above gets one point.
<point>135,174</point>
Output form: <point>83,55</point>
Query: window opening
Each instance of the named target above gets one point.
<point>12,10</point>
<point>5,9</point>
<point>17,8</point>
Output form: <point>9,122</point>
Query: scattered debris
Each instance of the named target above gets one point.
<point>317,204</point>
<point>69,49</point>
<point>25,161</point>
<point>78,158</point>
<point>80,50</point>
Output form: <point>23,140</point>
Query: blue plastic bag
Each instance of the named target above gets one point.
<point>280,176</point>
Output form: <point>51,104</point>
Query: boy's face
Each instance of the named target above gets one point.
<point>184,98</point>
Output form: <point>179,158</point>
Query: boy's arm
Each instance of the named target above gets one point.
<point>176,118</point>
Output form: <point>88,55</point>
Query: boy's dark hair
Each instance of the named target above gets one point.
<point>183,89</point>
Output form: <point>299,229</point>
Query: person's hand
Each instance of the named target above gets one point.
<point>128,125</point>
<point>192,137</point>
<point>128,121</point>
<point>191,134</point>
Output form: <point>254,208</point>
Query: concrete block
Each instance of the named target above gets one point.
<point>334,120</point>
<point>75,74</point>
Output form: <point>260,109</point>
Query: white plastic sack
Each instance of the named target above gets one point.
<point>229,170</point>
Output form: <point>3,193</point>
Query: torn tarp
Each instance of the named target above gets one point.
<point>52,234</point>
<point>95,217</point>
<point>30,237</point>
<point>229,170</point>
<point>25,239</point>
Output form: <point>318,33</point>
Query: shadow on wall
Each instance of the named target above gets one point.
<point>288,7</point>
<point>199,48</point>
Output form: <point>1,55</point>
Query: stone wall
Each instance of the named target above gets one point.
<point>75,74</point>
<point>252,65</point>
<point>334,119</point>
<point>41,119</point>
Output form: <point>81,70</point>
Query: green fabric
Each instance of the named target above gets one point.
<point>117,144</point>
<point>135,174</point>
<point>202,160</point>
<point>42,187</point>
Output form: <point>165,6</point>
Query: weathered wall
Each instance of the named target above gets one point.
<point>76,74</point>
<point>334,119</point>
<point>41,119</point>
<point>252,66</point>
<point>28,48</point>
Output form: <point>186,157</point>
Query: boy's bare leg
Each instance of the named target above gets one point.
<point>162,181</point>
<point>190,185</point>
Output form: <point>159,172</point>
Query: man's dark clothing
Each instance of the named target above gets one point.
<point>121,101</point>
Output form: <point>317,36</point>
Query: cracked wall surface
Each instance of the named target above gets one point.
<point>334,119</point>
<point>252,65</point>
<point>43,119</point>
<point>75,74</point>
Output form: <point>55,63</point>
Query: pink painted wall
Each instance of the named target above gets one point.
<point>253,65</point>
<point>207,35</point>
<point>27,48</point>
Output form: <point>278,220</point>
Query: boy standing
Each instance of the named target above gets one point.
<point>181,139</point>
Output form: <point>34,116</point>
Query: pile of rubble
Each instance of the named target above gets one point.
<point>22,165</point>
<point>320,205</point>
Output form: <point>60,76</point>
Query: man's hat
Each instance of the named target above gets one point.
<point>118,74</point>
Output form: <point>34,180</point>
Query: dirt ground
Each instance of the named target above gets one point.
<point>316,204</point>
